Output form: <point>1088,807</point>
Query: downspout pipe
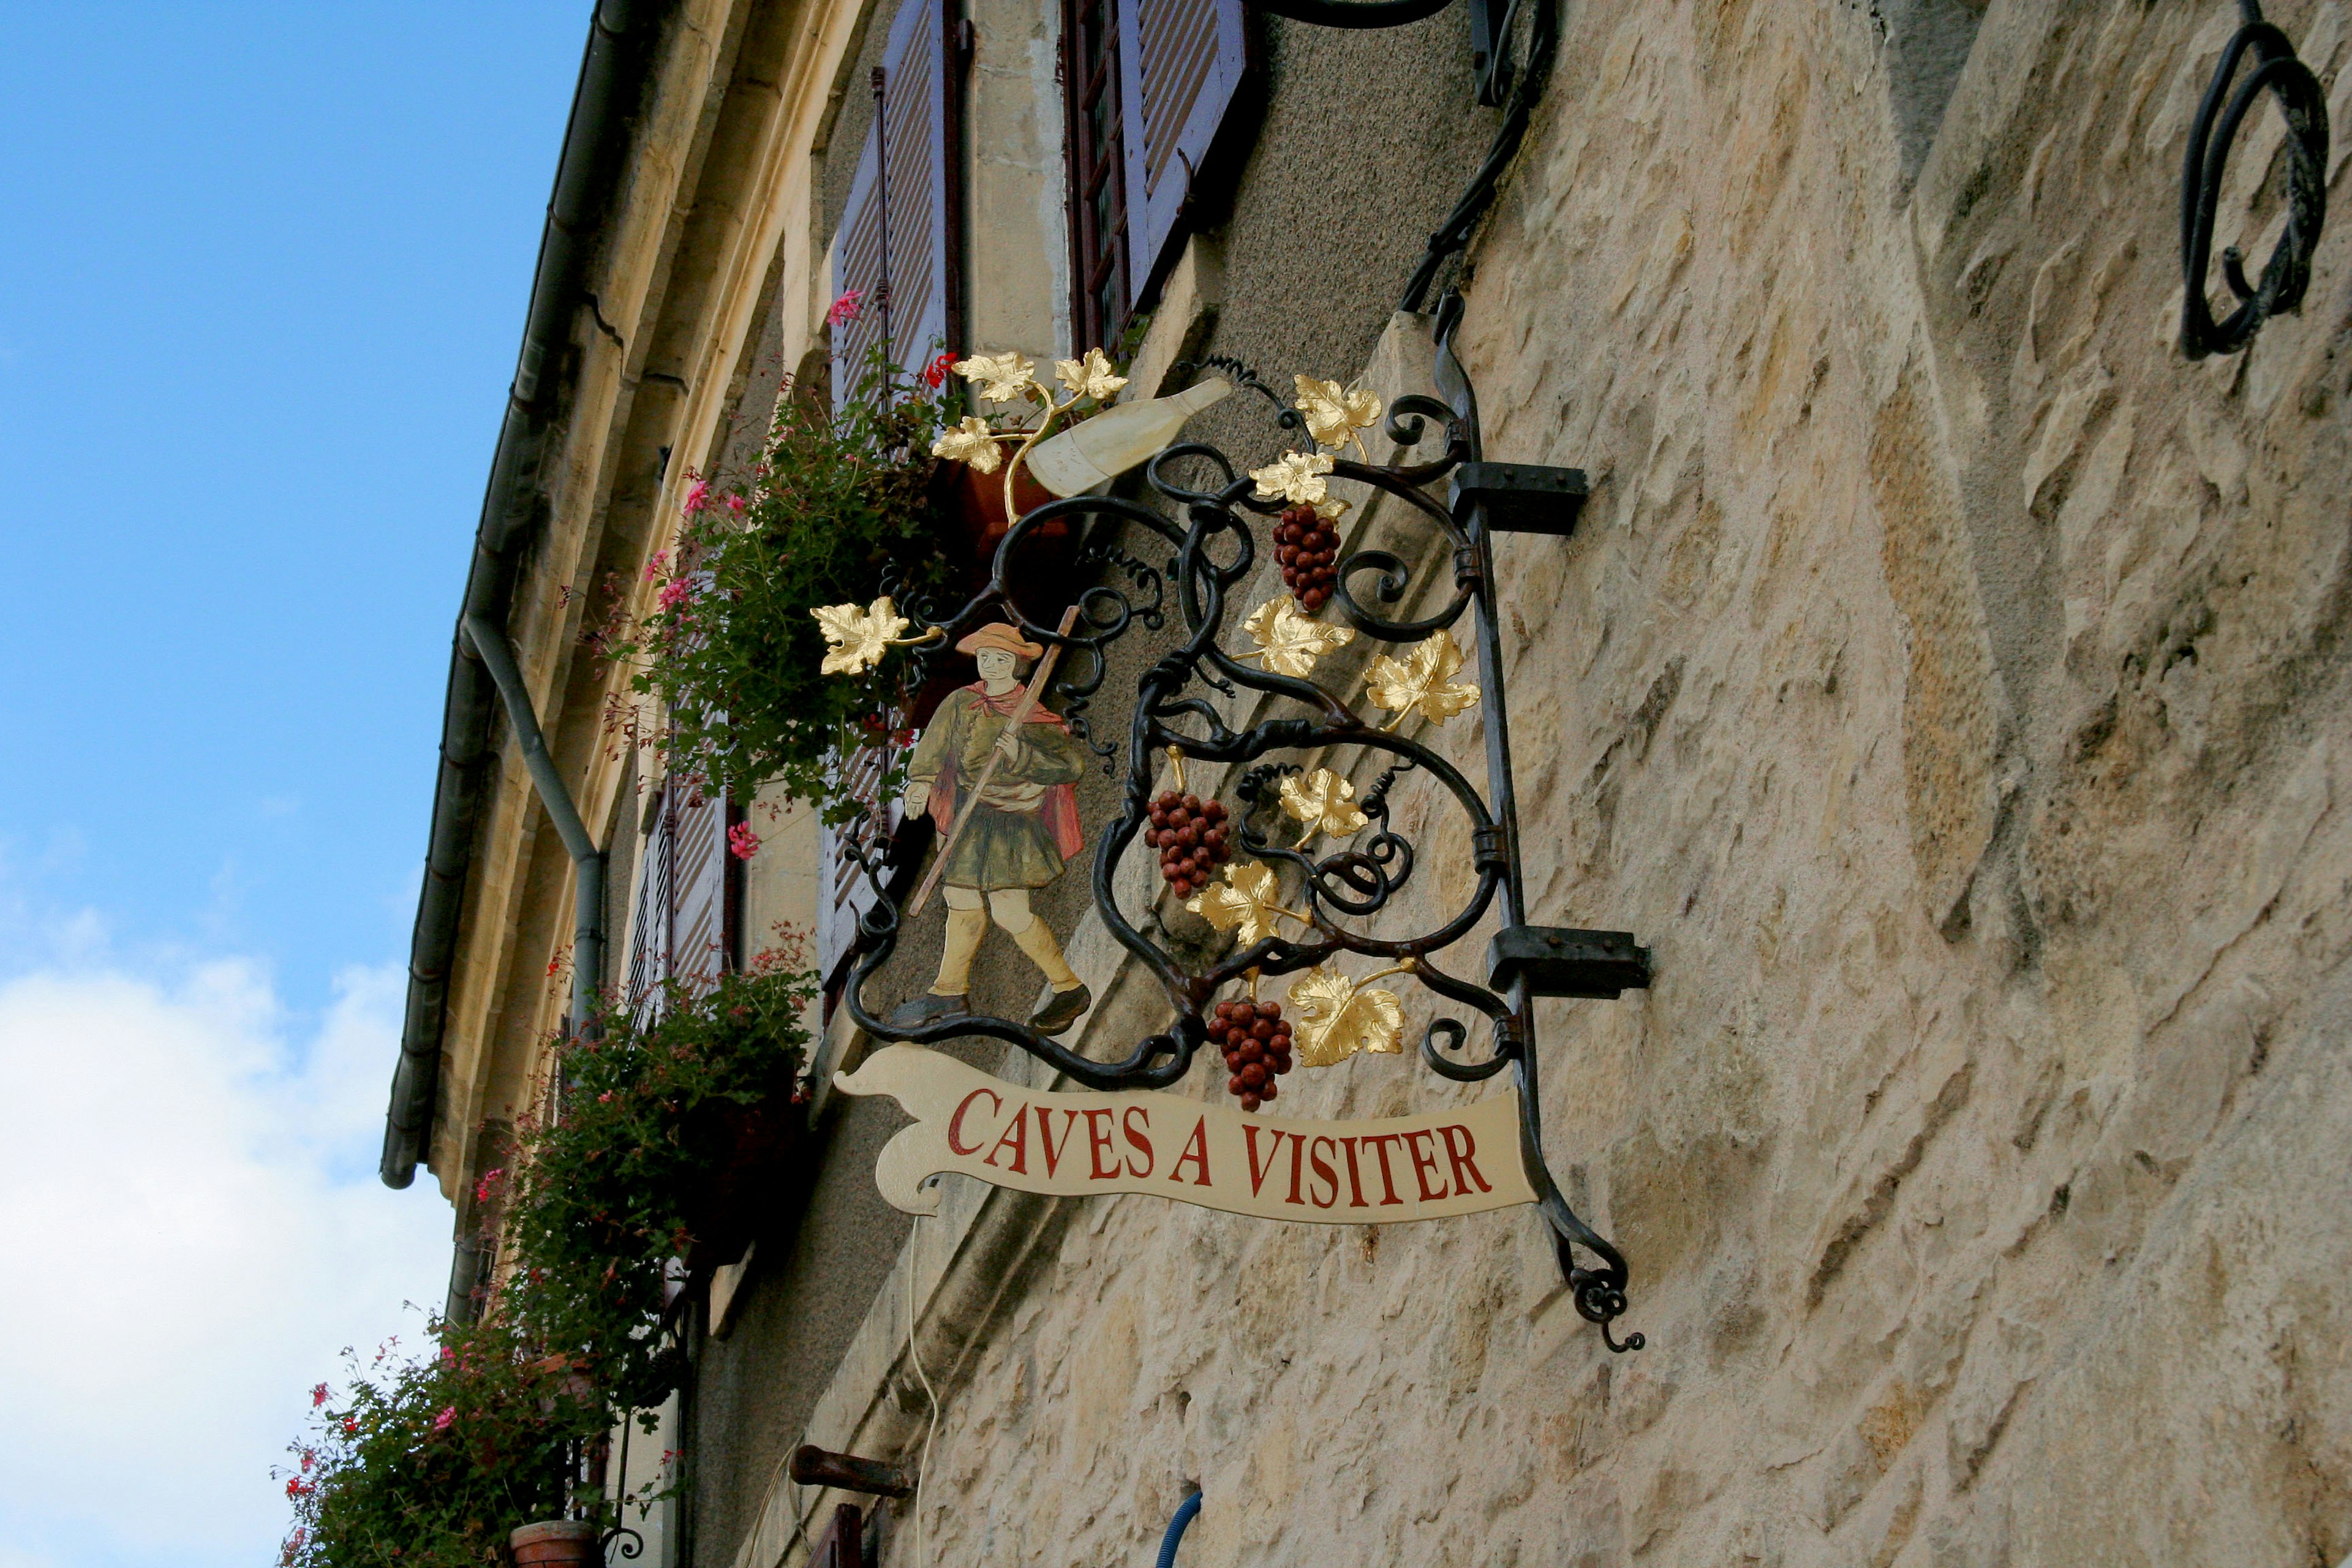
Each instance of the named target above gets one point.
<point>613,69</point>
<point>489,643</point>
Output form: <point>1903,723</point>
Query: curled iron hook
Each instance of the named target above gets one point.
<point>2288,271</point>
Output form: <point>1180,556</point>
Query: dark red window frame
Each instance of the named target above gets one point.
<point>1102,292</point>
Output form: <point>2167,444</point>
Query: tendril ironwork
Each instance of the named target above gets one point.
<point>2218,119</point>
<point>1196,701</point>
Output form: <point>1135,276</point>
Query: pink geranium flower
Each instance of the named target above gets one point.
<point>441,1422</point>
<point>846,309</point>
<point>318,1395</point>
<point>675,591</point>
<point>743,841</point>
<point>697,496</point>
<point>657,566</point>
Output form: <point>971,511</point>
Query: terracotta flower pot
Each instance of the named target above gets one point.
<point>567,1542</point>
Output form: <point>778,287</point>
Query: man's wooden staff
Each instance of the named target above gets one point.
<point>1029,695</point>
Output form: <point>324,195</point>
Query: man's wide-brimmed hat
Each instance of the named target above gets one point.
<point>998,634</point>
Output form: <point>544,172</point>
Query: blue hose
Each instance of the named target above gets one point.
<point>1167,1542</point>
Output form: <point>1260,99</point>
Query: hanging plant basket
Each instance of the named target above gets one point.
<point>751,1151</point>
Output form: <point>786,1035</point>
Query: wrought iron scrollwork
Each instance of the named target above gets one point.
<point>1210,527</point>
<point>2219,116</point>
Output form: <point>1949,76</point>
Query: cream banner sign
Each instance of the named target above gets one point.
<point>1334,1173</point>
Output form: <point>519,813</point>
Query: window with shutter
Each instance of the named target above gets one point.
<point>682,929</point>
<point>1097,171</point>
<point>1181,64</point>
<point>841,1545</point>
<point>904,274</point>
<point>699,946</point>
<point>847,892</point>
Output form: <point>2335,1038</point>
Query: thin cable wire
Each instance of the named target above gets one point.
<point>913,1276</point>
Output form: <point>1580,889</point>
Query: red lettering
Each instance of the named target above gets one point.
<point>1380,1146</point>
<point>1045,1136</point>
<point>1196,1148</point>
<point>1016,1138</point>
<point>1314,1157</point>
<point>1138,1139</point>
<point>1298,1147</point>
<point>1461,1148</point>
<point>1355,1177</point>
<point>1098,1139</point>
<point>955,1123</point>
<point>1257,1172</point>
<point>1424,1163</point>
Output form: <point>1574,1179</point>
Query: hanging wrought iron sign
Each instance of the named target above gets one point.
<point>1284,859</point>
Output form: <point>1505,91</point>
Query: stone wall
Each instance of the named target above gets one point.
<point>1948,683</point>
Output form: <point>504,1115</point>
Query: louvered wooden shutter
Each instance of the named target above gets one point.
<point>915,118</point>
<point>699,889</point>
<point>680,932</point>
<point>1181,63</point>
<point>848,891</point>
<point>649,931</point>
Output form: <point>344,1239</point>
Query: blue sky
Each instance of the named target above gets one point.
<point>262,276</point>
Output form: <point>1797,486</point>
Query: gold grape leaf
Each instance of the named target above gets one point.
<point>1324,801</point>
<point>1246,898</point>
<point>1296,477</point>
<point>1333,414</point>
<point>1002,378</point>
<point>856,638</point>
<point>1336,1020</point>
<point>1421,681</point>
<point>1288,640</point>
<point>970,441</point>
<point>1089,377</point>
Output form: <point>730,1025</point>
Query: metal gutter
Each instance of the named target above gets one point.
<point>611,76</point>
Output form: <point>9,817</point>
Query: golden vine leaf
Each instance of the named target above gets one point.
<point>1336,1020</point>
<point>854,639</point>
<point>1247,898</point>
<point>1002,378</point>
<point>1324,801</point>
<point>1422,681</point>
<point>1333,415</point>
<point>1288,640</point>
<point>970,441</point>
<point>1296,477</point>
<point>1089,377</point>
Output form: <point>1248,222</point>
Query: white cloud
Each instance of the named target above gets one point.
<point>193,1229</point>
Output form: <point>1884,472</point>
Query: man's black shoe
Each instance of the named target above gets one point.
<point>1062,1011</point>
<point>928,1008</point>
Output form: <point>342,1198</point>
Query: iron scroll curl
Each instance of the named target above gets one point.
<point>2219,116</point>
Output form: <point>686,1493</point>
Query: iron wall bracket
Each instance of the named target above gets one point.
<point>1560,961</point>
<point>1521,498</point>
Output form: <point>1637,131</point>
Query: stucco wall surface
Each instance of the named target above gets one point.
<point>1948,683</point>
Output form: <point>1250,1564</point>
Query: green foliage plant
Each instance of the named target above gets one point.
<point>839,510</point>
<point>429,1462</point>
<point>607,1193</point>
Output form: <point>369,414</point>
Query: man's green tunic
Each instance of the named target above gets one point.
<point>1007,844</point>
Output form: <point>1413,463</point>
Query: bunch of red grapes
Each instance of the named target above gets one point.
<point>1256,1044</point>
<point>1307,546</point>
<point>1189,834</point>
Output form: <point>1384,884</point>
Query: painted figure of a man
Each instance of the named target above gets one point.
<point>1021,833</point>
